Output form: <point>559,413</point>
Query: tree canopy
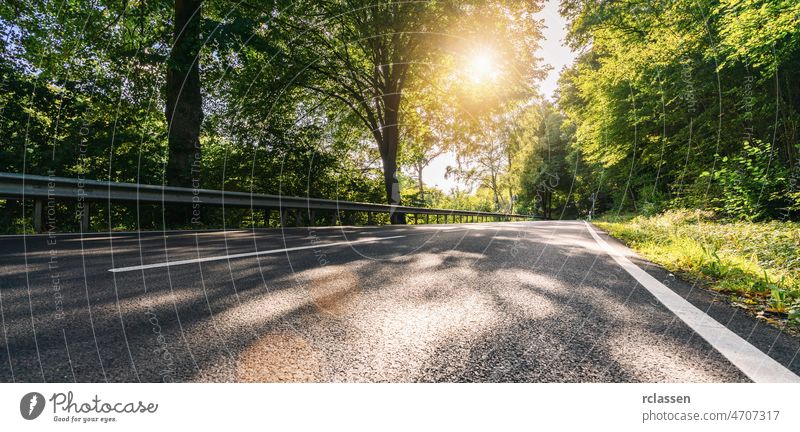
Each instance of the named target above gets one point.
<point>687,104</point>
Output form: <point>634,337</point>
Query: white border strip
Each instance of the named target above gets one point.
<point>248,254</point>
<point>758,366</point>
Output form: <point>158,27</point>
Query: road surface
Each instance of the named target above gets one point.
<point>520,302</point>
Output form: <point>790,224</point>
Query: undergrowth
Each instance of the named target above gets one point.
<point>756,263</point>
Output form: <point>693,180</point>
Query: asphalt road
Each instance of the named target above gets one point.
<point>521,302</point>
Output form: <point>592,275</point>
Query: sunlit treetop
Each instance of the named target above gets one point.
<point>482,67</point>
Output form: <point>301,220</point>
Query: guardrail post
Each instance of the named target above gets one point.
<point>37,216</point>
<point>312,217</point>
<point>426,217</point>
<point>415,219</point>
<point>85,217</point>
<point>445,218</point>
<point>283,215</point>
<point>298,217</point>
<point>370,219</point>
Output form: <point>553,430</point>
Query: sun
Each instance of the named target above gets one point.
<point>482,66</point>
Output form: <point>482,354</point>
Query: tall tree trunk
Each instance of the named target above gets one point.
<point>420,182</point>
<point>184,108</point>
<point>495,192</point>
<point>391,139</point>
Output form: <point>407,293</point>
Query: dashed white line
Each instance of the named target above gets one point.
<point>249,254</point>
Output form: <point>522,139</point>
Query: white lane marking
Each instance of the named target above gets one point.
<point>171,233</point>
<point>248,254</point>
<point>758,366</point>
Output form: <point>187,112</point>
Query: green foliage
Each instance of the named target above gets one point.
<point>675,104</point>
<point>299,97</point>
<point>546,179</point>
<point>763,33</point>
<point>670,119</point>
<point>82,94</point>
<point>749,187</point>
<point>755,262</point>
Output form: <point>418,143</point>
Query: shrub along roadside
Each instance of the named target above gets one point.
<point>756,264</point>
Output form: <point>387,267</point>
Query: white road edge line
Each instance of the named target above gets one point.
<point>758,366</point>
<point>248,254</point>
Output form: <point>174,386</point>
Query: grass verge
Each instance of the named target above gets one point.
<point>756,264</point>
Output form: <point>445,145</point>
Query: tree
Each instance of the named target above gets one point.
<point>546,178</point>
<point>424,136</point>
<point>483,158</point>
<point>365,54</point>
<point>184,104</point>
<point>418,152</point>
<point>361,58</point>
<point>681,103</point>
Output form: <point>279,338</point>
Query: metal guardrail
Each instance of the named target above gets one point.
<point>40,188</point>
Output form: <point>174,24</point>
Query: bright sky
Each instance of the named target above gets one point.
<point>553,53</point>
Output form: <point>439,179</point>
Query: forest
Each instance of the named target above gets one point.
<point>683,104</point>
<point>669,105</point>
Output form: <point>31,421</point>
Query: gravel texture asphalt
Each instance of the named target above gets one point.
<point>519,302</point>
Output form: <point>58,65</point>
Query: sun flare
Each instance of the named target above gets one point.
<point>482,66</point>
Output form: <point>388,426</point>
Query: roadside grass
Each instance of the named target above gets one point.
<point>757,264</point>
